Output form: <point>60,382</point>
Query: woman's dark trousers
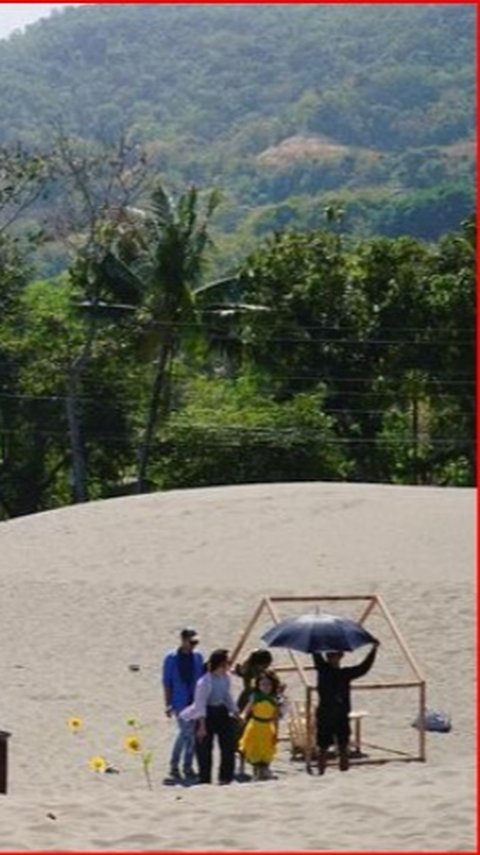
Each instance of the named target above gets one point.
<point>221,724</point>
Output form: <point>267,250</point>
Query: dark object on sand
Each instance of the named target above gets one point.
<point>4,735</point>
<point>435,721</point>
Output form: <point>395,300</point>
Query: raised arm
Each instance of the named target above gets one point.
<point>355,671</point>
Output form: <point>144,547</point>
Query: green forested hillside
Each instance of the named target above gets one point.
<point>285,107</point>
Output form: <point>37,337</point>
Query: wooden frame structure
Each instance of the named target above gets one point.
<point>370,602</point>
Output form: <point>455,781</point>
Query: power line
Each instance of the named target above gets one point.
<point>459,378</point>
<point>300,326</point>
<point>329,392</point>
<point>291,339</point>
<point>267,340</point>
<point>265,434</point>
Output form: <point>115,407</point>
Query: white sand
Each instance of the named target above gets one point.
<point>87,591</point>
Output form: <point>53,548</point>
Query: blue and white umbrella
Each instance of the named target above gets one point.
<point>315,633</point>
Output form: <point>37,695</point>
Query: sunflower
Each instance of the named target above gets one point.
<point>74,724</point>
<point>132,744</point>
<point>97,764</point>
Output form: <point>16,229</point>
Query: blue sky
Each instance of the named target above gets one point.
<point>15,16</point>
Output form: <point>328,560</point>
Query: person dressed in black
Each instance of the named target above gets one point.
<point>334,702</point>
<point>214,712</point>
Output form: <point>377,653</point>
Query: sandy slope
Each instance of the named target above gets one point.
<point>87,591</point>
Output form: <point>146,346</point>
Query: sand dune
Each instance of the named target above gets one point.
<point>88,591</point>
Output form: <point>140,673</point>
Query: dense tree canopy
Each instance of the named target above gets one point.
<point>318,359</point>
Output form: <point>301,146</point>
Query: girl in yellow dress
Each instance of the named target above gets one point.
<point>259,738</point>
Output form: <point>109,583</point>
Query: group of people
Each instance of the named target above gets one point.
<point>199,695</point>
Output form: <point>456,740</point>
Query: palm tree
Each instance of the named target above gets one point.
<point>160,255</point>
<point>163,247</point>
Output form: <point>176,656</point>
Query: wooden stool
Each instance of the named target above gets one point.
<point>356,717</point>
<point>301,732</point>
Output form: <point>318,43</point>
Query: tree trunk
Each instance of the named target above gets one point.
<point>75,371</point>
<point>415,436</point>
<point>79,469</point>
<point>153,410</point>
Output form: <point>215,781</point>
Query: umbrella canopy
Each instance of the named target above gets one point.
<point>312,633</point>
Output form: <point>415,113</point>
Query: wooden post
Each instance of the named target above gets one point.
<point>246,633</point>
<point>3,760</point>
<point>400,640</point>
<point>371,605</point>
<point>293,656</point>
<point>421,728</point>
<point>330,598</point>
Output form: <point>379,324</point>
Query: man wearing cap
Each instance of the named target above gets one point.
<point>181,670</point>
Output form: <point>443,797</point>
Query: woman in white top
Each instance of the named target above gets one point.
<point>214,710</point>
